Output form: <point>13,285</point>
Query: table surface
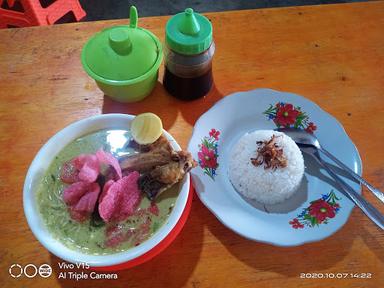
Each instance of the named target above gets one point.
<point>331,54</point>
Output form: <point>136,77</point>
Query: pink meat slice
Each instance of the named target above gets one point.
<point>68,173</point>
<point>154,209</point>
<point>143,231</point>
<point>85,167</point>
<point>121,199</point>
<point>78,216</point>
<point>74,192</point>
<point>115,235</point>
<point>79,161</point>
<point>81,197</point>
<point>88,201</point>
<point>90,169</point>
<point>106,187</point>
<point>108,159</point>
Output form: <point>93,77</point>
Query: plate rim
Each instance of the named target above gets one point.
<point>316,106</point>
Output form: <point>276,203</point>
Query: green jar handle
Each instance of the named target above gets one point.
<point>133,17</point>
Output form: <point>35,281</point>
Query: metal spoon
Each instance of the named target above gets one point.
<point>303,138</point>
<point>347,190</point>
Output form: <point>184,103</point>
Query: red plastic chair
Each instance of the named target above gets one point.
<point>21,13</point>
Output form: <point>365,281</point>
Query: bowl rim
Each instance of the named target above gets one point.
<point>37,170</point>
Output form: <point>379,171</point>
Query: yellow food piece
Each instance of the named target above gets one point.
<point>146,128</point>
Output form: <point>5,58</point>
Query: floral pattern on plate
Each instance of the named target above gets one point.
<point>208,153</point>
<point>287,115</point>
<point>319,212</point>
<point>239,113</point>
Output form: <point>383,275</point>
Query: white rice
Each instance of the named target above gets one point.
<point>267,186</point>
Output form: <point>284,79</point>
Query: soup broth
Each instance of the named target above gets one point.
<point>94,236</point>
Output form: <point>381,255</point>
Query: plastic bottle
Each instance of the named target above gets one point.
<point>188,55</point>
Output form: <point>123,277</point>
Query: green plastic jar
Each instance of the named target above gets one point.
<point>124,60</point>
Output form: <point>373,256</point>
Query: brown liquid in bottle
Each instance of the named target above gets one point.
<point>187,88</point>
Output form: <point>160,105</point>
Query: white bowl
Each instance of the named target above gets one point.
<point>41,163</point>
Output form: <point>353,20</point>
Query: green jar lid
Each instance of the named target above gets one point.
<point>188,33</point>
<point>122,53</point>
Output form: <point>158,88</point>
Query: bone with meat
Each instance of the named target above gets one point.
<point>160,166</point>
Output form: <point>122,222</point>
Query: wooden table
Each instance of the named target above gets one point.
<point>331,54</point>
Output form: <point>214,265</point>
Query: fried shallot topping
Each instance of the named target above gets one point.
<point>269,153</point>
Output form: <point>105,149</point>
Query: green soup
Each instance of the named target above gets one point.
<point>93,236</point>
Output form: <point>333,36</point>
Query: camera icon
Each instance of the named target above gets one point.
<point>30,270</point>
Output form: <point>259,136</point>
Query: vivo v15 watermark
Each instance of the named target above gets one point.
<point>68,271</point>
<point>77,271</point>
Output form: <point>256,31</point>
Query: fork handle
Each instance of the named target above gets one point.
<point>367,208</point>
<point>356,176</point>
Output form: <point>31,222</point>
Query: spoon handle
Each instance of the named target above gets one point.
<point>374,190</point>
<point>367,208</point>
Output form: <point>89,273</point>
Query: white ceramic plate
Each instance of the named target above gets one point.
<point>299,220</point>
<point>41,163</point>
